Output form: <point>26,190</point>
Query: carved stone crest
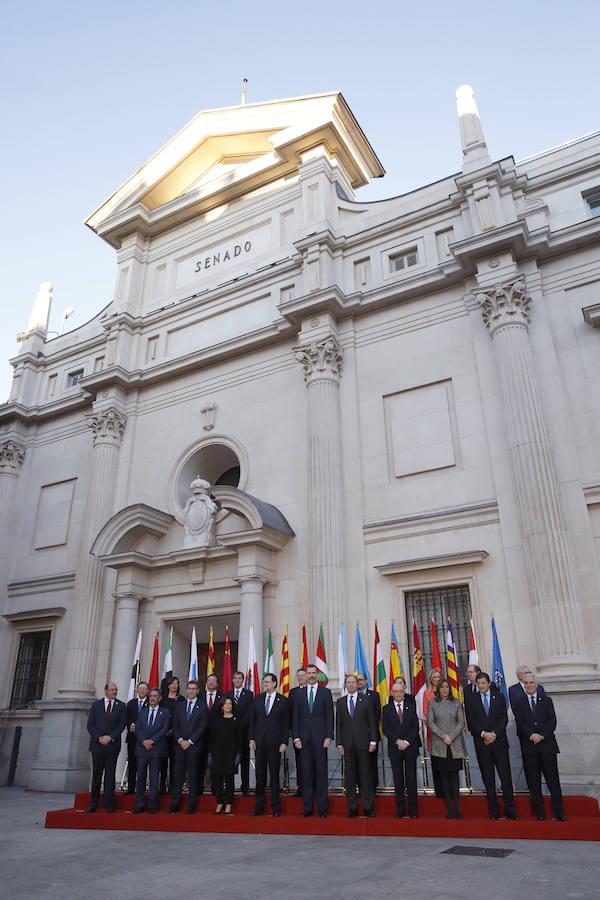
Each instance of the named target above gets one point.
<point>199,516</point>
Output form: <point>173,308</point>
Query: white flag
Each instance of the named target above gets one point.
<point>342,660</point>
<point>135,668</point>
<point>193,673</point>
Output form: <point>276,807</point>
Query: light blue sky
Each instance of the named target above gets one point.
<point>91,90</point>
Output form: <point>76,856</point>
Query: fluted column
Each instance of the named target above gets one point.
<point>251,613</point>
<point>556,612</point>
<point>12,455</point>
<point>322,362</point>
<point>107,428</point>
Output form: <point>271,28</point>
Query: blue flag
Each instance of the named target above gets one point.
<point>497,667</point>
<point>360,660</point>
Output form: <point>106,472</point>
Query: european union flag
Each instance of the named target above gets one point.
<point>497,666</point>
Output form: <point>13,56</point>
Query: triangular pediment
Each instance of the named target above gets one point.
<point>223,154</point>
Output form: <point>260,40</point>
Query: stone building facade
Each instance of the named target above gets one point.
<point>395,402</point>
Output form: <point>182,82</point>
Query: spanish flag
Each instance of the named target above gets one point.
<point>210,662</point>
<point>284,672</point>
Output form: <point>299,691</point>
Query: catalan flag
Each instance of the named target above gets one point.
<point>419,685</point>
<point>381,685</point>
<point>210,660</point>
<point>284,672</point>
<point>453,678</point>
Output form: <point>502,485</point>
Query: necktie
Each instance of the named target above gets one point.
<point>486,703</point>
<point>268,704</point>
<point>189,708</point>
<point>533,704</point>
<point>108,709</point>
<point>237,696</point>
<point>210,701</point>
<point>352,708</point>
<point>152,715</point>
<point>311,698</point>
<point>140,704</point>
<point>399,711</point>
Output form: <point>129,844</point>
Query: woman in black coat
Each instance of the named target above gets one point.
<point>225,749</point>
<point>170,698</point>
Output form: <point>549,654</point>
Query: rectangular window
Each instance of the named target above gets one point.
<point>98,364</point>
<point>30,673</point>
<point>405,260</point>
<point>440,604</point>
<point>74,378</point>
<point>593,201</point>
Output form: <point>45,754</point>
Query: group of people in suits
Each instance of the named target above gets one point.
<point>209,729</point>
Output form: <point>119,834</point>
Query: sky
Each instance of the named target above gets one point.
<point>89,91</point>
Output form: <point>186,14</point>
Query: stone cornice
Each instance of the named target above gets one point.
<point>465,558</point>
<point>43,585</point>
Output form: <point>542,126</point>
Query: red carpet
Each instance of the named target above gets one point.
<point>583,820</point>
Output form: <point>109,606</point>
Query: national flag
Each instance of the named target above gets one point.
<point>360,659</point>
<point>227,680</point>
<point>153,677</point>
<point>342,660</point>
<point>304,651</point>
<point>168,663</point>
<point>453,676</point>
<point>210,659</point>
<point>193,670</point>
<point>396,668</point>
<point>473,654</point>
<point>380,678</point>
<point>419,686</point>
<point>252,677</point>
<point>497,667</point>
<point>436,657</point>
<point>135,667</point>
<point>321,660</point>
<point>285,681</point>
<point>269,664</point>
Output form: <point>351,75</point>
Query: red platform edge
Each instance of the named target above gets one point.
<point>583,820</point>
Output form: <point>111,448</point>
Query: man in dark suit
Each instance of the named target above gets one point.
<point>189,728</point>
<point>313,733</point>
<point>133,707</point>
<point>302,679</point>
<point>242,709</point>
<point>375,701</point>
<point>356,736</point>
<point>517,690</point>
<point>151,735</point>
<point>212,700</point>
<point>487,720</point>
<point>536,724</point>
<point>106,720</point>
<point>268,737</point>
<point>401,728</point>
<point>471,685</point>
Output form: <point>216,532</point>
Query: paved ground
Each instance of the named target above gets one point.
<point>76,865</point>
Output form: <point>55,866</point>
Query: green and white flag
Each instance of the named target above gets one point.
<point>168,664</point>
<point>269,663</point>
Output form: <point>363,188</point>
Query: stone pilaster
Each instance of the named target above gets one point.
<point>107,426</point>
<point>322,363</point>
<point>251,613</point>
<point>12,455</point>
<point>556,613</point>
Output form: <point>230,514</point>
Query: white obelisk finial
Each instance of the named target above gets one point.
<point>474,147</point>
<point>244,99</point>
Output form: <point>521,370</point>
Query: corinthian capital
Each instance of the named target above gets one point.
<point>320,359</point>
<point>11,457</point>
<point>505,304</point>
<point>107,427</point>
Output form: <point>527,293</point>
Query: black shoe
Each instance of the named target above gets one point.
<point>298,792</point>
<point>129,793</point>
<point>541,818</point>
<point>494,815</point>
<point>137,811</point>
<point>91,808</point>
<point>306,815</point>
<point>153,811</point>
<point>511,815</point>
<point>257,812</point>
<point>190,811</point>
<point>173,809</point>
<point>352,815</point>
<point>276,814</point>
<point>322,815</point>
<point>450,815</point>
<point>370,813</point>
<point>245,792</point>
<point>458,815</point>
<point>561,817</point>
<point>413,816</point>
<point>109,809</point>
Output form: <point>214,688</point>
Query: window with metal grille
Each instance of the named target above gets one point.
<point>28,684</point>
<point>440,604</point>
